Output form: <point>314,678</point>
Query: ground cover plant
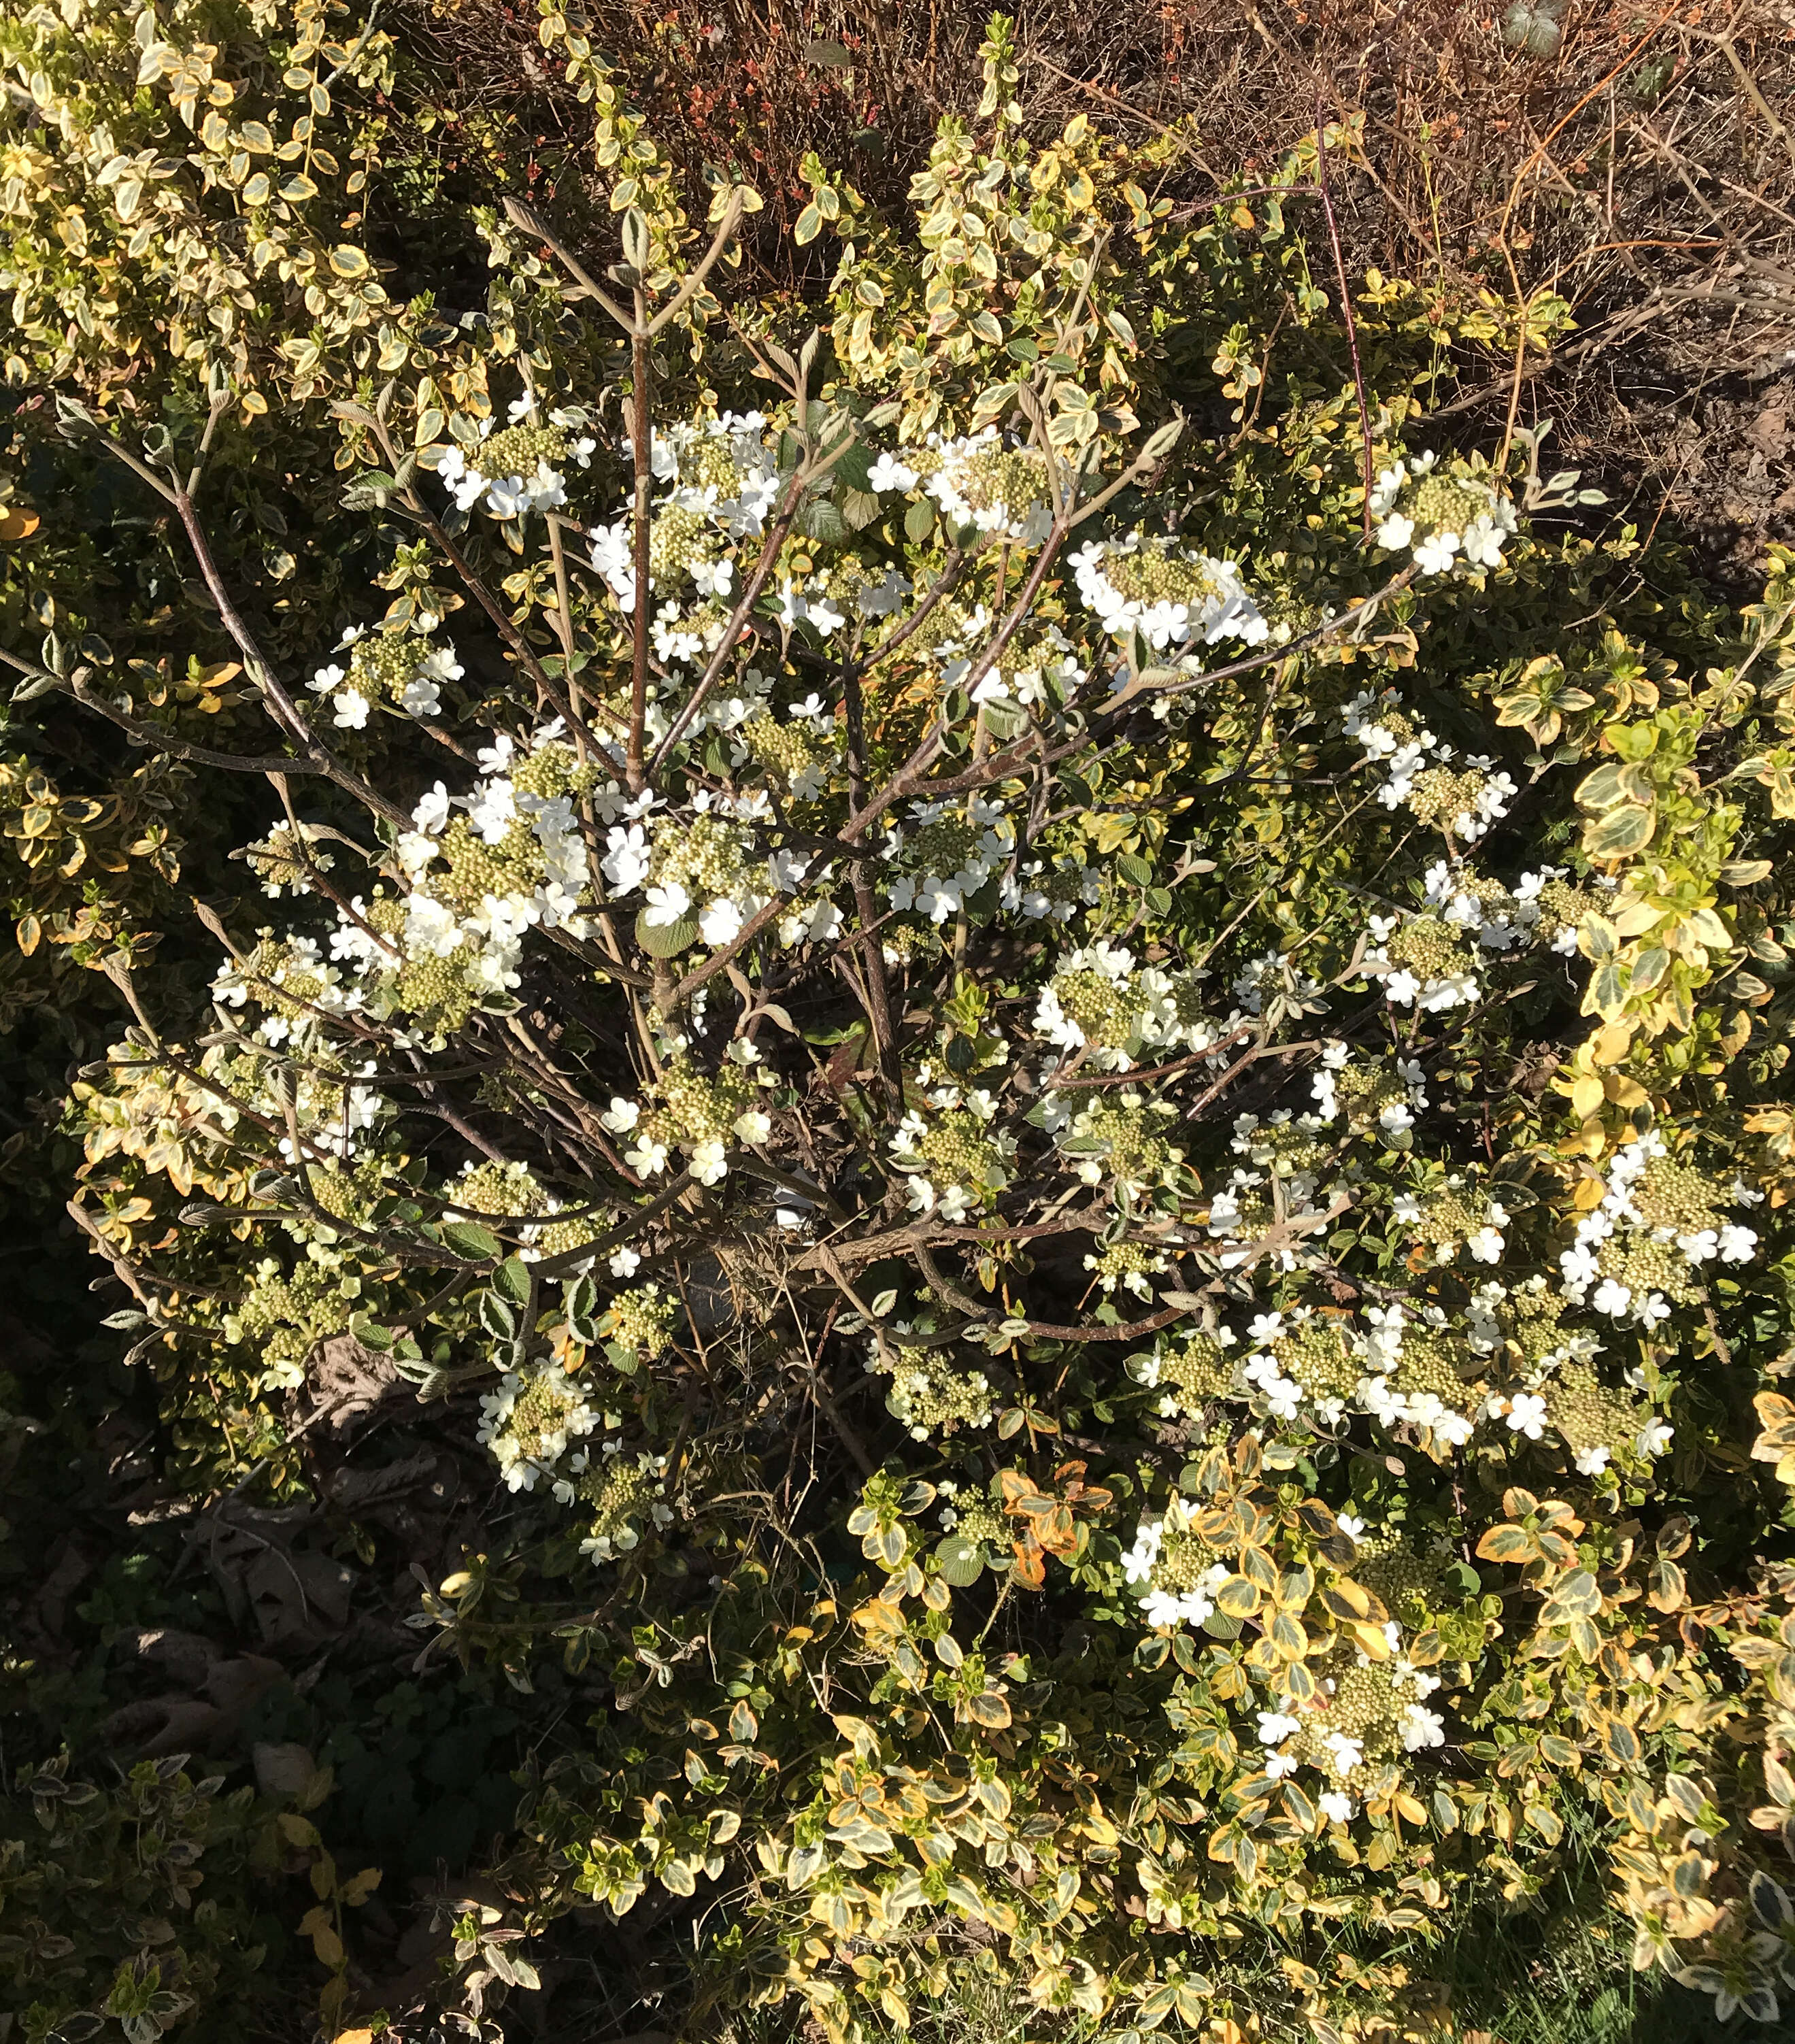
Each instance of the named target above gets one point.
<point>974,1074</point>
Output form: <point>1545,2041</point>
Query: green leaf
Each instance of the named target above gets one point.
<point>919,521</point>
<point>962,1561</point>
<point>810,225</point>
<point>1577,1595</point>
<point>467,1237</point>
<point>666,940</point>
<point>1620,832</point>
<point>511,1281</point>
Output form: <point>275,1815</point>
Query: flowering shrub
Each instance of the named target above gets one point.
<point>1081,1054</point>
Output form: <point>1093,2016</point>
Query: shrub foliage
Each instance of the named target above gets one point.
<point>1071,1044</point>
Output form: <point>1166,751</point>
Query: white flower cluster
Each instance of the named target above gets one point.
<point>1456,517</point>
<point>934,888</point>
<point>419,693</point>
<point>528,1422</point>
<point>1617,1218</point>
<point>513,495</point>
<point>998,491</point>
<point>1407,751</point>
<point>1185,598</point>
<point>1380,1348</point>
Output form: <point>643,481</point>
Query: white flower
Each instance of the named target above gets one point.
<point>325,679</point>
<point>1591,1462</point>
<point>1348,1753</point>
<point>721,924</point>
<point>1527,1414</point>
<point>1612,1298</point>
<point>351,708</point>
<point>623,1115</point>
<point>890,473</point>
<point>1737,1244</point>
<point>754,1126</point>
<point>432,809</point>
<point>422,696</point>
<point>709,1164</point>
<point>1421,1728</point>
<point>1434,554</point>
<point>648,1157</point>
<point>1278,1764</point>
<point>625,1262</point>
<point>1335,1807</point>
<point>1654,1438</point>
<point>1396,531</point>
<point>1353,1528</point>
<point>1485,1246</point>
<point>1275,1727</point>
<point>1160,1608</point>
<point>666,904</point>
<point>1578,1266</point>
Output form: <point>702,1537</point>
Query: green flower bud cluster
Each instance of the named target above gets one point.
<point>1009,480</point>
<point>499,1188</point>
<point>1159,571</point>
<point>1645,1267</point>
<point>1284,1147</point>
<point>284,1317</point>
<point>1590,1414</point>
<point>1199,1372</point>
<point>928,1395</point>
<point>1439,798</point>
<point>1431,948</point>
<point>283,980</point>
<point>1448,1217</point>
<point>438,992</point>
<point>695,1109</point>
<point>1316,1355</point>
<point>518,450</point>
<point>1409,1584</point>
<point>514,865</point>
<point>788,750</point>
<point>1186,1562</point>
<point>537,1424</point>
<point>710,857</point>
<point>1563,905</point>
<point>557,1238</point>
<point>1432,1360</point>
<point>1117,1264</point>
<point>621,1492</point>
<point>1446,503</point>
<point>1535,1311</point>
<point>1363,1090</point>
<point>1136,1152</point>
<point>641,1320</point>
<point>959,1150</point>
<point>384,664</point>
<point>946,843</point>
<point>385,914</point>
<point>287,860</point>
<point>1367,1707</point>
<point>552,769</point>
<point>1106,1013</point>
<point>351,1195</point>
<point>1678,1197</point>
<point>980,1520</point>
<point>677,537</point>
